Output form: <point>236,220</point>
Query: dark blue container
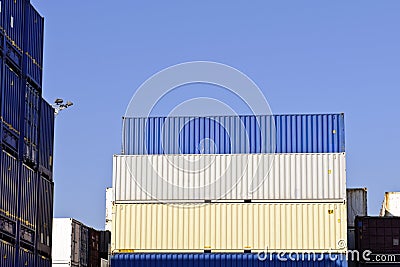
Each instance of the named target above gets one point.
<point>225,259</point>
<point>34,48</point>
<point>46,138</point>
<point>31,125</point>
<point>303,133</point>
<point>28,197</point>
<point>7,254</point>
<point>11,103</point>
<point>45,216</point>
<point>26,258</point>
<point>9,173</point>
<point>13,22</point>
<point>43,261</point>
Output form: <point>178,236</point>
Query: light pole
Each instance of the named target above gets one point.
<point>59,105</point>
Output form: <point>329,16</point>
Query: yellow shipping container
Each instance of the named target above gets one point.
<point>229,227</point>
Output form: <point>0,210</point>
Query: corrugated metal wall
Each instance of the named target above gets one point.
<point>31,139</point>
<point>229,227</point>
<point>301,177</point>
<point>46,140</point>
<point>34,50</point>
<point>309,133</point>
<point>26,258</point>
<point>45,216</point>
<point>28,192</point>
<point>12,100</point>
<point>225,259</point>
<point>7,254</point>
<point>9,186</point>
<point>14,23</point>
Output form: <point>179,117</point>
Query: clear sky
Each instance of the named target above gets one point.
<point>306,56</point>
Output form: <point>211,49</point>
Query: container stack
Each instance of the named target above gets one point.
<point>26,130</point>
<point>75,244</point>
<point>222,190</point>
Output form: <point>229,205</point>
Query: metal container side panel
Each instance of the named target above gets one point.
<point>46,136</point>
<point>391,204</point>
<point>351,238</point>
<point>31,124</point>
<point>14,22</point>
<point>84,246</point>
<point>43,261</point>
<point>356,204</point>
<point>34,49</point>
<point>223,259</point>
<point>109,203</point>
<point>28,192</point>
<point>105,242</point>
<point>300,177</point>
<point>26,258</point>
<point>311,133</point>
<point>12,100</point>
<point>94,243</point>
<point>7,257</point>
<point>378,234</point>
<point>229,227</point>
<point>62,240</point>
<point>45,215</point>
<point>9,186</point>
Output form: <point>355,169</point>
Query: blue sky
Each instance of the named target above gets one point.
<point>306,56</point>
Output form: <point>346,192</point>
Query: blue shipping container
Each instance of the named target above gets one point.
<point>308,133</point>
<point>34,49</point>
<point>28,193</point>
<point>14,23</point>
<point>43,261</point>
<point>7,254</point>
<point>46,138</point>
<point>12,100</point>
<point>9,186</point>
<point>45,216</point>
<point>225,259</point>
<point>31,124</point>
<point>26,258</point>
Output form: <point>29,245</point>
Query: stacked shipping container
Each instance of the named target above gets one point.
<point>26,133</point>
<point>75,244</point>
<point>262,183</point>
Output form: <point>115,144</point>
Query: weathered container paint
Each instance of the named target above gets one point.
<point>226,259</point>
<point>229,227</point>
<point>31,125</point>
<point>9,186</point>
<point>45,216</point>
<point>7,252</point>
<point>391,204</point>
<point>105,244</point>
<point>308,133</point>
<point>305,177</point>
<point>34,48</point>
<point>356,204</point>
<point>94,243</point>
<point>46,139</point>
<point>28,192</point>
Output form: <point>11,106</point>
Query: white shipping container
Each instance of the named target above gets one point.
<point>229,227</point>
<point>69,243</point>
<point>109,204</point>
<point>266,177</point>
<point>356,204</point>
<point>391,204</point>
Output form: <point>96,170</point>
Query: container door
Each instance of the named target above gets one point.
<point>14,28</point>
<point>31,124</point>
<point>45,216</point>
